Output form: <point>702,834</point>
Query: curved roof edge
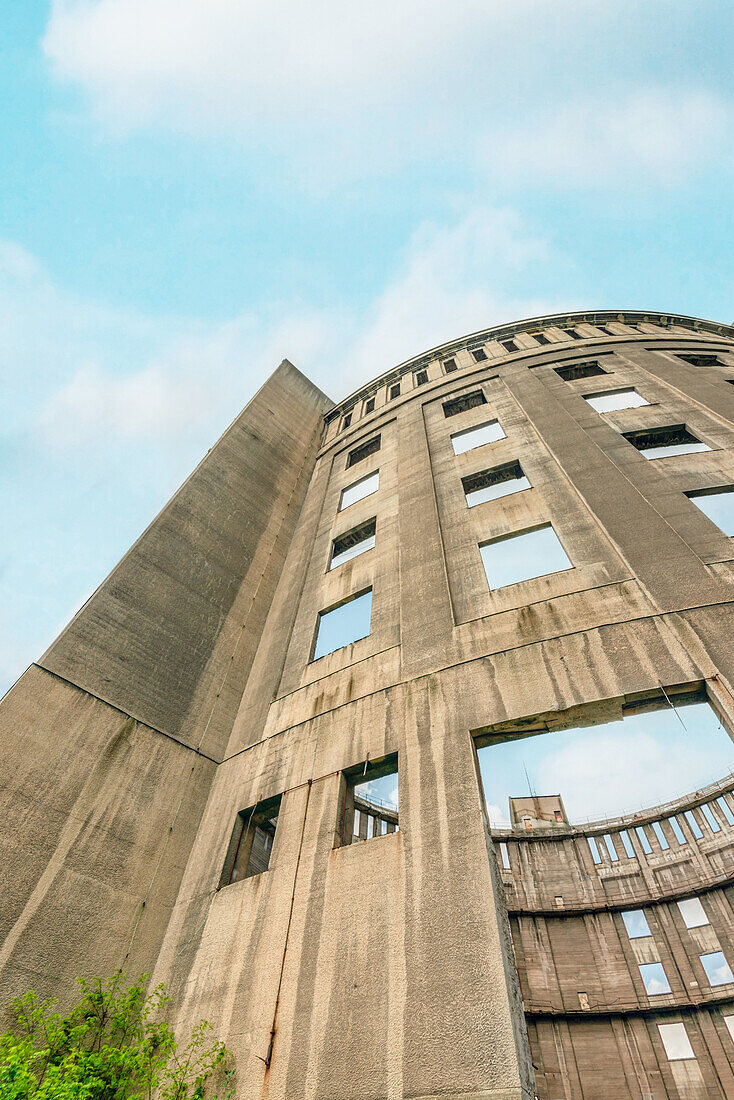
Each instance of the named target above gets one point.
<point>623,821</point>
<point>504,331</point>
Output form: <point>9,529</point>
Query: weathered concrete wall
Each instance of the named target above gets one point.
<point>110,744</point>
<point>384,970</point>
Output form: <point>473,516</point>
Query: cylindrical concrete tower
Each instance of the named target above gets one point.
<point>501,537</point>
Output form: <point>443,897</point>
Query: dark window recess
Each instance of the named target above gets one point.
<point>252,841</point>
<point>368,808</point>
<point>675,435</point>
<point>700,360</point>
<point>354,537</point>
<point>363,451</point>
<point>604,329</point>
<point>421,377</point>
<point>540,338</point>
<point>579,370</point>
<point>347,421</point>
<point>509,471</point>
<point>395,391</point>
<point>509,345</point>
<point>463,403</point>
<point>479,355</point>
<point>449,366</point>
<point>369,405</point>
<point>572,333</point>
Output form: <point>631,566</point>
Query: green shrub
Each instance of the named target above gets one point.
<point>112,1045</point>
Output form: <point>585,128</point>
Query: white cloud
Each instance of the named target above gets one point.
<point>194,63</point>
<point>658,136</point>
<point>194,377</point>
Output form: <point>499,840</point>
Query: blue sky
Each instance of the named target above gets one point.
<point>193,189</point>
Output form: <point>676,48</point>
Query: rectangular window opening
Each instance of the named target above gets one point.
<point>627,843</point>
<point>358,490</point>
<point>716,967</point>
<point>471,438</point>
<point>604,329</point>
<point>636,924</point>
<point>251,843</point>
<point>421,377</point>
<point>572,333</point>
<point>675,439</point>
<point>571,371</point>
<point>675,1041</point>
<point>718,505</point>
<point>509,345</point>
<point>522,556</point>
<point>479,355</point>
<point>339,626</point>
<point>699,360</point>
<point>491,484</point>
<point>353,543</point>
<point>449,366</point>
<point>359,454</point>
<point>369,802</point>
<point>346,421</point>
<point>594,849</point>
<point>615,400</point>
<point>395,391</point>
<point>505,856</point>
<point>693,913</point>
<point>540,338</point>
<point>369,405</point>
<point>693,822</point>
<point>708,813</point>
<point>613,854</point>
<point>725,809</point>
<point>680,836</point>
<point>643,839</point>
<point>662,838</point>
<point>654,978</point>
<point>463,403</point>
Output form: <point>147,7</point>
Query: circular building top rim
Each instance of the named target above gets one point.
<point>529,324</point>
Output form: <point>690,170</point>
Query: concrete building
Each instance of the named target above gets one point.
<point>329,600</point>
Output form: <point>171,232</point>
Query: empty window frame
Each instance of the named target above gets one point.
<point>339,626</point>
<point>716,967</point>
<point>540,338</point>
<point>674,439</point>
<point>252,841</point>
<point>479,355</point>
<point>627,843</point>
<point>369,405</point>
<point>643,839</point>
<point>636,924</point>
<point>571,371</point>
<point>654,978</point>
<point>522,556</point>
<point>421,377</point>
<point>680,836</point>
<point>353,543</point>
<point>697,360</point>
<point>347,420</point>
<point>394,391</point>
<point>505,855</point>
<point>614,400</point>
<point>718,505</point>
<point>364,450</point>
<point>693,822</point>
<point>662,838</point>
<point>708,813</point>
<point>369,801</point>
<point>509,345</point>
<point>358,490</point>
<point>572,333</point>
<point>725,809</point>
<point>675,1042</point>
<point>463,403</point>
<point>693,913</point>
<point>594,849</point>
<point>449,366</point>
<point>604,329</point>
<point>613,854</point>
<point>501,481</point>
<point>471,438</point>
